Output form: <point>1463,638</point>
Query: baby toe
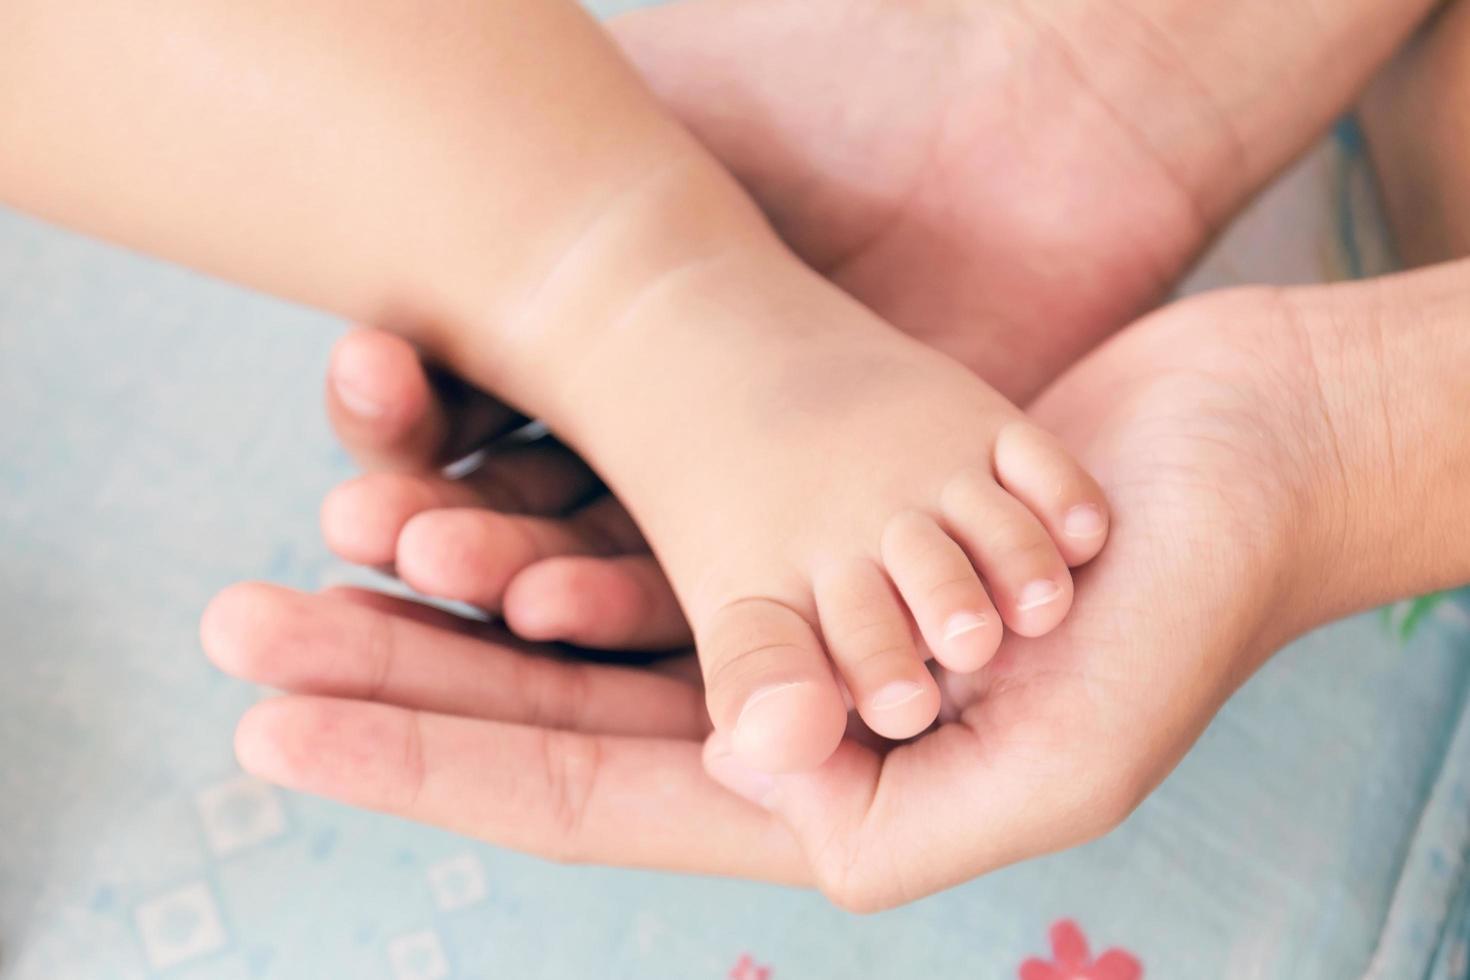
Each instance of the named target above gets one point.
<point>1026,574</point>
<point>943,591</point>
<point>870,640</point>
<point>1032,465</point>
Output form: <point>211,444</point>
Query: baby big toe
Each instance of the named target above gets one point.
<point>1038,471</point>
<point>769,684</point>
<point>870,640</point>
<point>1026,574</point>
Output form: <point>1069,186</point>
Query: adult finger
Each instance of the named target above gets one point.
<point>566,796</point>
<point>619,603</point>
<point>323,645</point>
<point>471,554</point>
<point>390,414</point>
<point>418,612</point>
<point>361,518</point>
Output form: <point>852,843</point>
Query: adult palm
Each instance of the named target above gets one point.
<point>977,173</point>
<point>956,166</point>
<point>1206,428</point>
<point>1007,180</point>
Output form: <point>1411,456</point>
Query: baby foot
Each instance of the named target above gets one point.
<point>826,495</point>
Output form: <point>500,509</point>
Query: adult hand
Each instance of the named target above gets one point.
<point>1018,754</point>
<point>1009,181</point>
<point>1252,487</point>
<point>528,534</point>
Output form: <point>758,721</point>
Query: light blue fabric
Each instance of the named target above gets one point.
<point>162,437</point>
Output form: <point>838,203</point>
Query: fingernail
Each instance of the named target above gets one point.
<point>961,623</point>
<point>1084,521</point>
<point>349,380</point>
<point>722,766</point>
<point>1038,594</point>
<point>895,693</point>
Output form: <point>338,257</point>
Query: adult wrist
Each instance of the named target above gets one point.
<point>1390,358</point>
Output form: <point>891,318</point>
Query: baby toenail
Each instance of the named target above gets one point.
<point>961,623</point>
<point>1038,594</point>
<point>895,693</point>
<point>1084,521</point>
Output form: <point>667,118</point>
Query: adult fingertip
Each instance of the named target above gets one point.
<point>533,611</point>
<point>722,765</point>
<point>440,552</point>
<point>231,625</point>
<point>360,371</point>
<point>380,400</point>
<point>361,518</point>
<point>569,599</point>
<point>259,747</point>
<point>344,530</point>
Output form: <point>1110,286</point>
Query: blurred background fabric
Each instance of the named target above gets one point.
<point>162,436</point>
